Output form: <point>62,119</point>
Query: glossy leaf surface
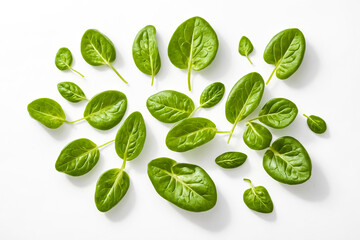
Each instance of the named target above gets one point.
<point>258,199</point>
<point>212,95</point>
<point>245,47</point>
<point>316,124</point>
<point>256,136</point>
<point>63,59</point>
<point>231,159</point>
<point>71,92</point>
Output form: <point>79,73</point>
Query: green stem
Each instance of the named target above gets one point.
<point>222,131</point>
<point>78,120</point>
<point>249,59</point>
<point>271,75</point>
<point>232,131</point>
<point>253,119</point>
<point>195,111</point>
<point>110,65</point>
<point>152,79</point>
<point>305,116</point>
<point>123,164</point>
<point>248,180</point>
<point>189,74</point>
<point>103,145</point>
<point>76,71</point>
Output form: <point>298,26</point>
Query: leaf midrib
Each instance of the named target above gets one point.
<point>166,106</point>
<point>202,129</point>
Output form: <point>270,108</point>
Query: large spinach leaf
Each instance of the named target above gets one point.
<point>256,136</point>
<point>186,185</point>
<point>212,95</point>
<point>63,60</point>
<point>71,92</point>
<point>287,161</point>
<point>245,47</point>
<point>193,45</point>
<point>231,159</point>
<point>316,124</point>
<point>258,198</point>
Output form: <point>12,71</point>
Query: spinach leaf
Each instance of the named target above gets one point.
<point>286,51</point>
<point>145,52</point>
<point>256,136</point>
<point>97,49</point>
<point>170,106</point>
<point>243,98</point>
<point>287,161</point>
<point>212,95</point>
<point>278,113</point>
<point>190,133</point>
<point>71,92</point>
<point>111,188</point>
<point>131,136</point>
<point>63,60</point>
<point>186,185</point>
<point>316,124</point>
<point>47,111</point>
<point>258,198</point>
<point>231,159</point>
<point>245,47</point>
<point>106,109</point>
<point>193,45</point>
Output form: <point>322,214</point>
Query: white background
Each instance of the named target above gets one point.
<point>37,202</point>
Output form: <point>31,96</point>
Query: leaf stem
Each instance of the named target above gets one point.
<point>249,181</point>
<point>305,116</point>
<point>222,131</point>
<point>152,79</point>
<point>103,145</point>
<point>123,164</point>
<point>254,119</point>
<point>249,59</point>
<point>232,131</point>
<point>189,75</point>
<point>117,73</point>
<point>271,75</point>
<point>76,71</point>
<point>194,111</point>
<point>78,120</point>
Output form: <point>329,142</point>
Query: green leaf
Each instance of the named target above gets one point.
<point>186,185</point>
<point>286,51</point>
<point>258,199</point>
<point>231,159</point>
<point>244,98</point>
<point>71,92</point>
<point>190,133</point>
<point>145,52</point>
<point>78,157</point>
<point>193,45</point>
<point>106,109</point>
<point>245,47</point>
<point>63,60</point>
<point>212,95</point>
<point>131,136</point>
<point>97,49</point>
<point>47,112</point>
<point>256,136</point>
<point>111,188</point>
<point>278,113</point>
<point>316,124</point>
<point>170,106</point>
<point>287,161</point>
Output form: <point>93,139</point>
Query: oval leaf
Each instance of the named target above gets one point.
<point>106,109</point>
<point>71,92</point>
<point>78,157</point>
<point>170,106</point>
<point>258,199</point>
<point>316,124</point>
<point>63,59</point>
<point>131,136</point>
<point>256,136</point>
<point>212,95</point>
<point>287,161</point>
<point>190,133</point>
<point>47,112</point>
<point>278,113</point>
<point>231,159</point>
<point>186,185</point>
<point>245,47</point>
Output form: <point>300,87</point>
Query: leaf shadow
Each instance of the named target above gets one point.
<point>60,133</point>
<point>269,217</point>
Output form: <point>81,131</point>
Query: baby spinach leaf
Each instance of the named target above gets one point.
<point>71,92</point>
<point>190,133</point>
<point>78,157</point>
<point>186,185</point>
<point>316,124</point>
<point>287,161</point>
<point>231,159</point>
<point>243,98</point>
<point>245,47</point>
<point>145,52</point>
<point>63,60</point>
<point>111,188</point>
<point>258,198</point>
<point>170,106</point>
<point>286,51</point>
<point>193,45</point>
<point>47,111</point>
<point>256,136</point>
<point>97,49</point>
<point>131,136</point>
<point>278,113</point>
<point>106,109</point>
<point>212,95</point>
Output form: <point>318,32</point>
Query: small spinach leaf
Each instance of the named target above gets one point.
<point>193,45</point>
<point>111,188</point>
<point>47,112</point>
<point>170,106</point>
<point>212,95</point>
<point>97,49</point>
<point>245,47</point>
<point>286,51</point>
<point>186,185</point>
<point>287,161</point>
<point>63,60</point>
<point>231,159</point>
<point>316,124</point>
<point>71,92</point>
<point>190,133</point>
<point>145,52</point>
<point>258,198</point>
<point>256,136</point>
